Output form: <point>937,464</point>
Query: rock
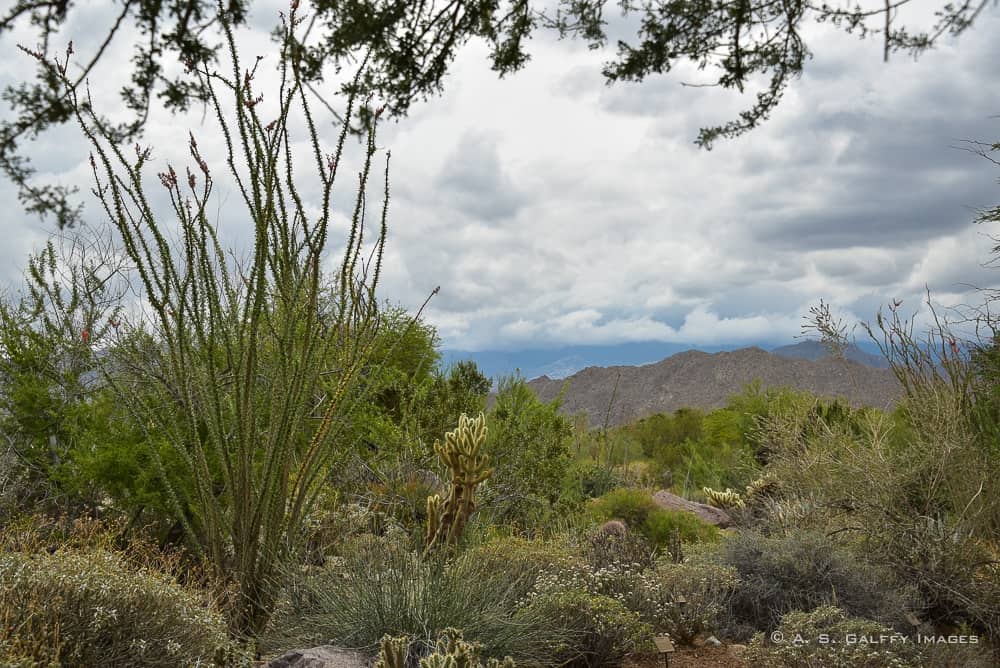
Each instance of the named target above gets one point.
<point>706,513</point>
<point>713,641</point>
<point>737,651</point>
<point>325,656</point>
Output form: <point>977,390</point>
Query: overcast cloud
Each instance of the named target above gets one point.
<point>552,209</point>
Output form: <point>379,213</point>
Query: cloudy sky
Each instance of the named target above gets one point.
<point>555,210</point>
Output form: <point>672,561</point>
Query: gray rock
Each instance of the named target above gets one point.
<point>325,656</point>
<point>710,514</point>
<point>713,641</point>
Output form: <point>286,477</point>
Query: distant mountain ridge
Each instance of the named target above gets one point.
<point>815,350</point>
<point>706,380</point>
<point>564,361</point>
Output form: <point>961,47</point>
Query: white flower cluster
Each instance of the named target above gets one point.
<point>106,606</point>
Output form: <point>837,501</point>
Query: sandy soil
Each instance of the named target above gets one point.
<point>695,657</point>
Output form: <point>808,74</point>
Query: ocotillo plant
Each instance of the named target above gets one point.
<point>247,375</point>
<point>446,518</point>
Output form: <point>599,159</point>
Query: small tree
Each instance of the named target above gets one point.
<point>50,338</point>
<point>529,445</point>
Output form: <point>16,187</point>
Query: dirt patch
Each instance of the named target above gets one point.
<point>696,657</point>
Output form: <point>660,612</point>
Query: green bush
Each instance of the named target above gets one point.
<point>640,513</point>
<point>656,431</point>
<point>529,450</point>
<point>601,631</point>
<point>596,480</point>
<point>661,524</point>
<point>631,506</point>
<point>91,608</point>
<point>828,637</point>
<point>802,571</point>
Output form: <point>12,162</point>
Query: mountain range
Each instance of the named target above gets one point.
<point>703,380</point>
<point>562,362</point>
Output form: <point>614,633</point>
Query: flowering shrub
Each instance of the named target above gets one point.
<point>603,548</point>
<point>601,630</point>
<point>90,608</point>
<point>705,588</point>
<point>654,595</point>
<point>828,637</point>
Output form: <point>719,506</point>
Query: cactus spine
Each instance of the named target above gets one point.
<point>446,518</point>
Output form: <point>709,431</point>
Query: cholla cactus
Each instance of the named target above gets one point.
<point>725,500</point>
<point>393,652</point>
<point>766,486</point>
<point>450,651</point>
<point>446,518</point>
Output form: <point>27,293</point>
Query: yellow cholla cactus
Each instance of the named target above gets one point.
<point>460,452</point>
<point>725,500</point>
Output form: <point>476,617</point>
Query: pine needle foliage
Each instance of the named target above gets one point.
<point>247,371</point>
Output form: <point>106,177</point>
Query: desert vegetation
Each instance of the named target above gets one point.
<point>213,457</point>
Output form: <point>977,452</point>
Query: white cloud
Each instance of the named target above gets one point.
<point>552,209</point>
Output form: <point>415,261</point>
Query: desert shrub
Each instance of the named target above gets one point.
<point>48,368</point>
<point>529,450</point>
<point>334,526</point>
<point>653,593</point>
<point>636,508</point>
<point>92,608</point>
<point>985,410</point>
<point>661,525</point>
<point>595,479</point>
<point>600,630</point>
<point>910,490</point>
<point>382,586</point>
<point>631,506</point>
<point>828,637</point>
<point>705,587</point>
<point>660,431</point>
<point>521,560</point>
<point>802,571</point>
<point>691,450</point>
<point>603,548</point>
<point>912,486</point>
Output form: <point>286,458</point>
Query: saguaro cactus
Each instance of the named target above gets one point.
<point>446,518</point>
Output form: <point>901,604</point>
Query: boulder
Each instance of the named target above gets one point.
<point>325,656</point>
<point>706,513</point>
